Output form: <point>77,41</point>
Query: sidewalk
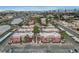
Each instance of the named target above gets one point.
<point>42,44</point>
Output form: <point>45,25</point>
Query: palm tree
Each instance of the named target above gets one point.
<point>36,30</point>
<point>38,20</point>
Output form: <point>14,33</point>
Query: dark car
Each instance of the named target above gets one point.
<point>75,50</point>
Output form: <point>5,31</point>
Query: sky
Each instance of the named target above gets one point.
<point>36,8</point>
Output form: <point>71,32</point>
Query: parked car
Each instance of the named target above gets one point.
<point>75,50</point>
<point>71,51</point>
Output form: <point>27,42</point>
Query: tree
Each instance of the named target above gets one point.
<point>36,30</point>
<point>47,21</point>
<point>38,20</point>
<point>61,16</point>
<point>26,38</point>
<point>76,16</point>
<point>64,35</point>
<point>49,17</point>
<point>56,17</point>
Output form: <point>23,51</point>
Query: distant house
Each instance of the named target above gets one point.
<point>67,16</point>
<point>25,27</point>
<point>50,15</point>
<point>50,28</point>
<point>75,24</point>
<point>31,22</point>
<point>43,21</point>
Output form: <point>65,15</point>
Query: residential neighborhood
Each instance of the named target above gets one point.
<point>44,31</point>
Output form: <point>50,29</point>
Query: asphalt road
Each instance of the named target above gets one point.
<point>69,30</point>
<point>4,44</point>
<point>76,44</point>
<point>41,49</point>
